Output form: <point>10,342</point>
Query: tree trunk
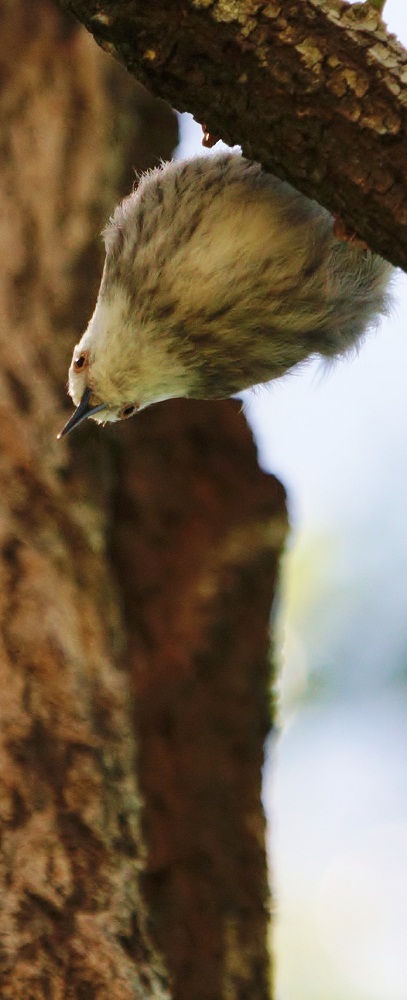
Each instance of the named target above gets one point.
<point>138,566</point>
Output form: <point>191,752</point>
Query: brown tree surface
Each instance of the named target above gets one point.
<point>138,566</point>
<point>316,90</point>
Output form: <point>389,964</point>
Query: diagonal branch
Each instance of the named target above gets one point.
<point>313,89</point>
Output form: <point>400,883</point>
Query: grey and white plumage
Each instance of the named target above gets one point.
<point>218,276</point>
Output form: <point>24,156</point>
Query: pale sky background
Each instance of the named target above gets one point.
<point>336,795</point>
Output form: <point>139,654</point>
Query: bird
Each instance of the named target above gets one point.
<point>218,277</point>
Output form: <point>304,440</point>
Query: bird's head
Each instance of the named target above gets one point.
<point>121,364</point>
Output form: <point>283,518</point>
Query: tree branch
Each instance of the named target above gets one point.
<point>313,89</point>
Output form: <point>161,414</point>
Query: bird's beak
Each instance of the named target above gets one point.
<point>82,411</point>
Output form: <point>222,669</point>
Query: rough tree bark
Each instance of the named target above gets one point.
<point>137,570</point>
<point>316,90</point>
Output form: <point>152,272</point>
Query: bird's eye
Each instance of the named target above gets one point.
<point>80,362</point>
<point>127,411</point>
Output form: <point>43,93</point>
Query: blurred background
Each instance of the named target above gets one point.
<point>335,783</point>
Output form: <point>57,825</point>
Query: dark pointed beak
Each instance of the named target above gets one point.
<point>82,412</point>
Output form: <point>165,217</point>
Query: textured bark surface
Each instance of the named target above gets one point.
<point>197,619</point>
<point>137,571</point>
<point>314,89</point>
